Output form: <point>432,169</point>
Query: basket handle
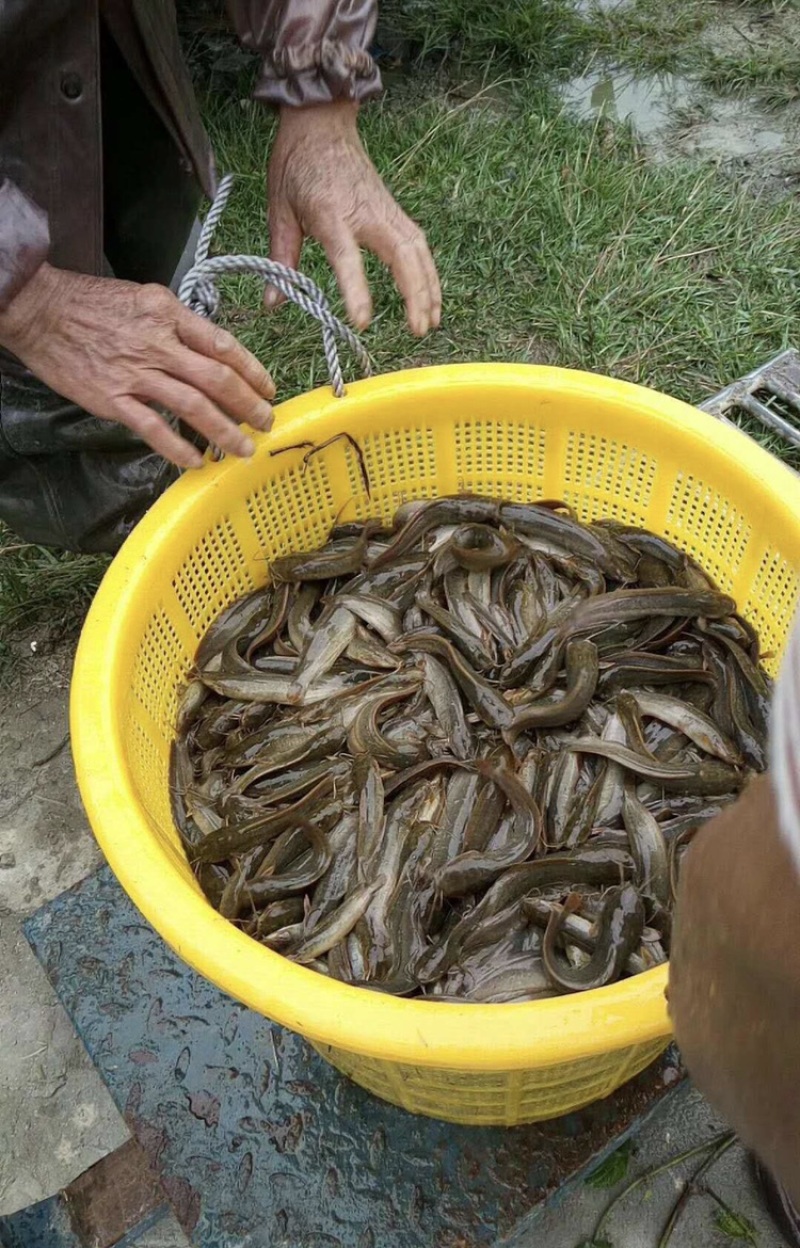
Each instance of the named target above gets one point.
<point>198,290</point>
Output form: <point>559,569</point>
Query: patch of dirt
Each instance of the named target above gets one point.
<point>756,133</point>
<point>734,30</point>
<point>744,138</point>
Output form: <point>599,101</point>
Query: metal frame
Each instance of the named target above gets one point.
<point>778,379</point>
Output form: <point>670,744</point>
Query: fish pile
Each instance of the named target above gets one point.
<point>461,757</point>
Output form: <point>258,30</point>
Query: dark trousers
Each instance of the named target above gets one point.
<point>68,479</point>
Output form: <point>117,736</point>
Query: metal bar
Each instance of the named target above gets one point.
<point>754,407</point>
<point>778,378</point>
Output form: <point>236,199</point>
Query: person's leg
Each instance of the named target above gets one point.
<point>734,990</point>
<point>67,479</point>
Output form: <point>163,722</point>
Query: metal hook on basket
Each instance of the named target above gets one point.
<point>199,291</point>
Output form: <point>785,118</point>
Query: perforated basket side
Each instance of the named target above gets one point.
<point>508,1098</point>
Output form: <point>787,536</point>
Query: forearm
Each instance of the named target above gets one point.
<point>24,242</point>
<point>313,51</point>
<point>26,317</point>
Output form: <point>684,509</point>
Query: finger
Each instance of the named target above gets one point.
<point>434,285</point>
<point>156,432</point>
<point>224,386</point>
<point>430,277</point>
<point>405,255</point>
<point>195,409</point>
<point>344,255</point>
<point>286,244</point>
<point>207,338</point>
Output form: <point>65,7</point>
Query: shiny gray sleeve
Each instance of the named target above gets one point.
<point>24,240</point>
<point>313,51</point>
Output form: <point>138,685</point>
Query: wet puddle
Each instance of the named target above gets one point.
<point>651,103</point>
<point>675,118</point>
<point>589,7</point>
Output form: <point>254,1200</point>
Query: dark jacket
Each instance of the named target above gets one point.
<point>51,153</point>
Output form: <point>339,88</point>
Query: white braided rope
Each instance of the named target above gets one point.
<point>198,290</point>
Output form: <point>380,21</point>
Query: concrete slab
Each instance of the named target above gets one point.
<point>56,1116</point>
<point>48,1225</point>
<point>685,1121</point>
<point>114,1204</point>
<point>45,841</point>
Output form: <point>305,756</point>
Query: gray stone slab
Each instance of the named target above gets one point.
<point>56,1116</point>
<point>45,841</point>
<point>685,1121</point>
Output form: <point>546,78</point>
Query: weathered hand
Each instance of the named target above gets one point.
<point>322,184</point>
<point>114,347</point>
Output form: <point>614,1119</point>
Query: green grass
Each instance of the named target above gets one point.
<point>525,34</point>
<point>42,587</point>
<point>769,73</point>
<point>647,36</point>
<point>555,240</point>
<point>553,37</point>
<point>650,37</point>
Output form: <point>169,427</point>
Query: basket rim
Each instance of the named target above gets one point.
<point>468,1037</point>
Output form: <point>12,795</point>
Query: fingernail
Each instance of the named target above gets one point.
<point>247,448</point>
<point>262,417</point>
<point>194,460</point>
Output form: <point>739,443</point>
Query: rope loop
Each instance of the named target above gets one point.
<point>200,293</point>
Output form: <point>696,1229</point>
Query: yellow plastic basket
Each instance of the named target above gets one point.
<point>523,432</point>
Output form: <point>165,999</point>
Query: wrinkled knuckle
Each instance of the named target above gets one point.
<point>154,299</point>
<point>404,244</point>
<point>149,418</point>
<point>223,343</point>
<point>338,250</point>
<point>148,426</point>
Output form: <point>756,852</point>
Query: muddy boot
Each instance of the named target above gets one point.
<point>67,479</point>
